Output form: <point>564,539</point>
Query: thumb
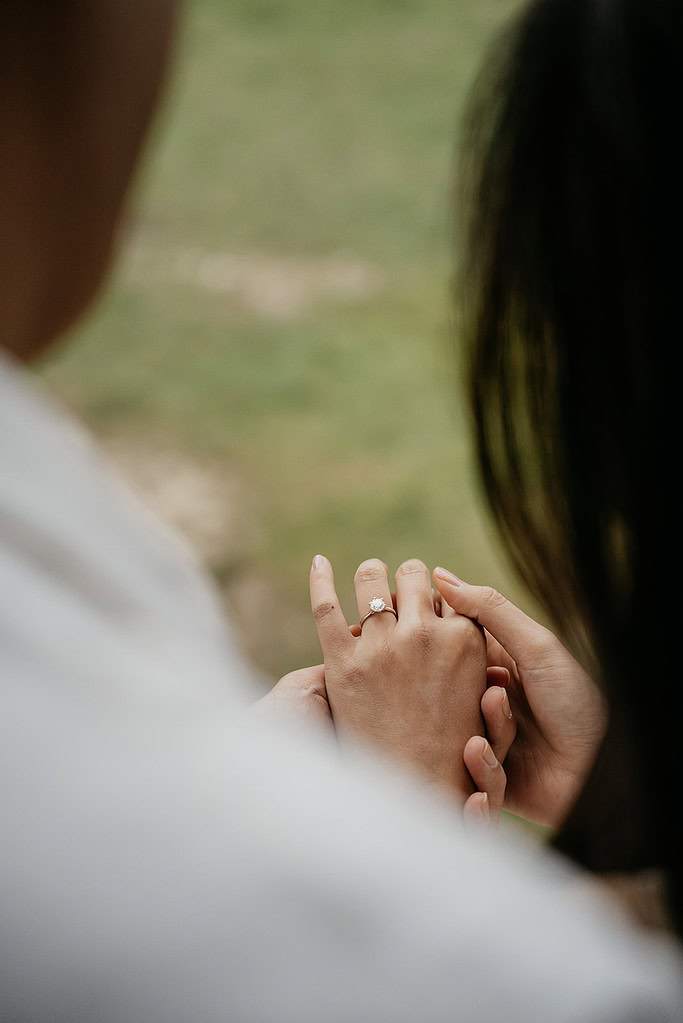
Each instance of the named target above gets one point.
<point>523,638</point>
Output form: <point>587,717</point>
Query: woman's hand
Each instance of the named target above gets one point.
<point>410,687</point>
<point>560,714</point>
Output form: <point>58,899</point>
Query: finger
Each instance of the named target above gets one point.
<point>441,608</point>
<point>486,771</point>
<point>333,631</point>
<point>523,638</point>
<point>355,631</point>
<point>497,655</point>
<point>497,675</point>
<point>371,581</point>
<point>501,726</point>
<point>414,592</point>
<point>476,809</point>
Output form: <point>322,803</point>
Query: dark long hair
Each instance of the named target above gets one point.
<point>573,206</point>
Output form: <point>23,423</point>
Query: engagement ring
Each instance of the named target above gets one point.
<point>377,605</point>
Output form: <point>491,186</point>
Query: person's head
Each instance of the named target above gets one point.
<point>78,81</point>
<point>574,208</point>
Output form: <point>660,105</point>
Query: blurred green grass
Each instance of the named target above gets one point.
<point>281,312</point>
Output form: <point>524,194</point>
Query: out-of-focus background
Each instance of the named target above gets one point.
<point>273,367</point>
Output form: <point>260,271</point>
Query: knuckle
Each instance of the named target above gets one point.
<point>412,567</point>
<point>547,640</point>
<point>470,635</point>
<point>490,598</point>
<point>323,609</point>
<point>304,681</point>
<point>370,571</point>
<point>421,635</point>
<point>542,647</point>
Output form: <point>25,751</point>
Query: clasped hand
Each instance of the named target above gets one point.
<point>465,689</point>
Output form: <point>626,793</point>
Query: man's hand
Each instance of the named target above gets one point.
<point>301,693</point>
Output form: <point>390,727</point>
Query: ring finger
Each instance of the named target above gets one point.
<point>371,582</point>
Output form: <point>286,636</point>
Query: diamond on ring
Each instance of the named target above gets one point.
<point>377,605</point>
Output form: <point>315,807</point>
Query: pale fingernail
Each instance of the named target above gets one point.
<point>448,577</point>
<point>318,561</point>
<point>487,754</point>
<point>505,704</point>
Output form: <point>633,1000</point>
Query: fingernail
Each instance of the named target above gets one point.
<point>318,561</point>
<point>505,704</point>
<point>487,754</point>
<point>448,577</point>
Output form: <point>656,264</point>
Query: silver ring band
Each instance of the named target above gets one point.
<point>377,605</point>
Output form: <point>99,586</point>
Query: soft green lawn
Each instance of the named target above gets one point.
<point>281,313</point>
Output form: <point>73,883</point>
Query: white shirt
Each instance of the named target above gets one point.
<point>166,856</point>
